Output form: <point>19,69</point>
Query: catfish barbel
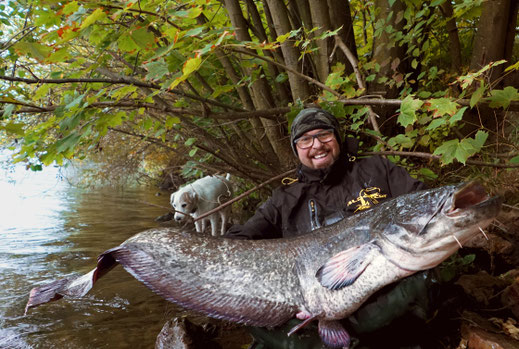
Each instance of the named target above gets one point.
<point>324,276</point>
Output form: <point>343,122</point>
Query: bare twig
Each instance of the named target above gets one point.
<point>247,193</point>
<point>360,80</point>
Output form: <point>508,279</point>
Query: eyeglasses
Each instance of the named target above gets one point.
<point>308,141</point>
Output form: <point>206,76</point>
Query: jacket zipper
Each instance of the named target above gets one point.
<point>314,218</point>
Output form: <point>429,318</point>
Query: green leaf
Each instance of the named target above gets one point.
<point>479,140</point>
<point>143,38</point>
<point>476,96</point>
<point>514,66</point>
<point>193,152</point>
<point>172,120</point>
<point>67,142</point>
<point>437,2</point>
<point>283,38</point>
<point>447,151</point>
<point>194,32</point>
<point>8,110</point>
<point>14,128</point>
<point>147,123</point>
<point>35,50</point>
<point>436,123</point>
<point>468,259</point>
<point>458,116</point>
<point>427,173</point>
<point>371,77</point>
<point>126,43</point>
<point>60,55</point>
<point>402,141</point>
<point>92,18</point>
<point>71,122</point>
<point>514,160</point>
<point>190,141</point>
<point>156,69</point>
<point>461,150</point>
<point>123,91</point>
<point>442,106</point>
<point>70,8</point>
<point>408,110</point>
<point>191,65</point>
<point>502,98</point>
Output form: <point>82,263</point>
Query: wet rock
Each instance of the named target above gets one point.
<point>510,298</point>
<point>482,286</point>
<point>180,333</point>
<point>479,333</point>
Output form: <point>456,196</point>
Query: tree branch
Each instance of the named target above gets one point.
<point>121,80</point>
<point>437,158</point>
<point>247,193</point>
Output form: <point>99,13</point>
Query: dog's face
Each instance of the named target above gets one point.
<point>184,204</point>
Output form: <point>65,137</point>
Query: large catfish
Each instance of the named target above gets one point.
<point>325,275</point>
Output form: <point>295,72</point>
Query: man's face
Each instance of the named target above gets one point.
<point>320,154</point>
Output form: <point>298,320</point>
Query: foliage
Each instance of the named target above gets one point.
<point>183,77</point>
<point>455,265</point>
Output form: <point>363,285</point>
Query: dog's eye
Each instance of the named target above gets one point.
<point>183,205</point>
<point>174,205</point>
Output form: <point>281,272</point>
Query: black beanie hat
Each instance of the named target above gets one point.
<point>310,119</point>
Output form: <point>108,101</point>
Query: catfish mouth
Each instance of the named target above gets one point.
<point>470,195</point>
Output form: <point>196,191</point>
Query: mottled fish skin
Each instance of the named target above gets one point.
<point>222,278</point>
<point>325,275</point>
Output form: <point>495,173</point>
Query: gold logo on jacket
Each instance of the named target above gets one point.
<point>367,198</point>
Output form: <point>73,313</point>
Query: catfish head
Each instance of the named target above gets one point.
<point>423,235</point>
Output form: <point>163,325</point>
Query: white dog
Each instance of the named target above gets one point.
<point>201,196</point>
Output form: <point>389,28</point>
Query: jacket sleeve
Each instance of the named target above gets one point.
<point>400,181</point>
<point>265,224</point>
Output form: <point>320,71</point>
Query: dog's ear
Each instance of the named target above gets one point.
<point>172,198</point>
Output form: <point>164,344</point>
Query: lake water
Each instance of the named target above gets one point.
<point>50,230</point>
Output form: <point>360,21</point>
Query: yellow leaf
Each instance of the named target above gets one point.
<point>94,16</point>
<point>191,65</point>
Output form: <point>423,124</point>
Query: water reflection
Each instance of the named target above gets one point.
<point>51,230</point>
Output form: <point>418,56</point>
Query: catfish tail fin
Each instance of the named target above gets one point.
<point>73,287</point>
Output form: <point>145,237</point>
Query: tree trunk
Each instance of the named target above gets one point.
<point>321,20</point>
<point>490,42</point>
<point>340,15</point>
<point>282,91</point>
<point>454,39</point>
<point>298,86</point>
<point>262,97</point>
<point>388,55</point>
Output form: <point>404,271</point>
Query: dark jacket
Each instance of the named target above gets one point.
<point>322,197</point>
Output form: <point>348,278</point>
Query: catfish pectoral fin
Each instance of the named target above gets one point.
<point>301,325</point>
<point>333,334</point>
<point>73,287</point>
<point>345,267</point>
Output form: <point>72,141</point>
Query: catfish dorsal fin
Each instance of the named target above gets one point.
<point>345,267</point>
